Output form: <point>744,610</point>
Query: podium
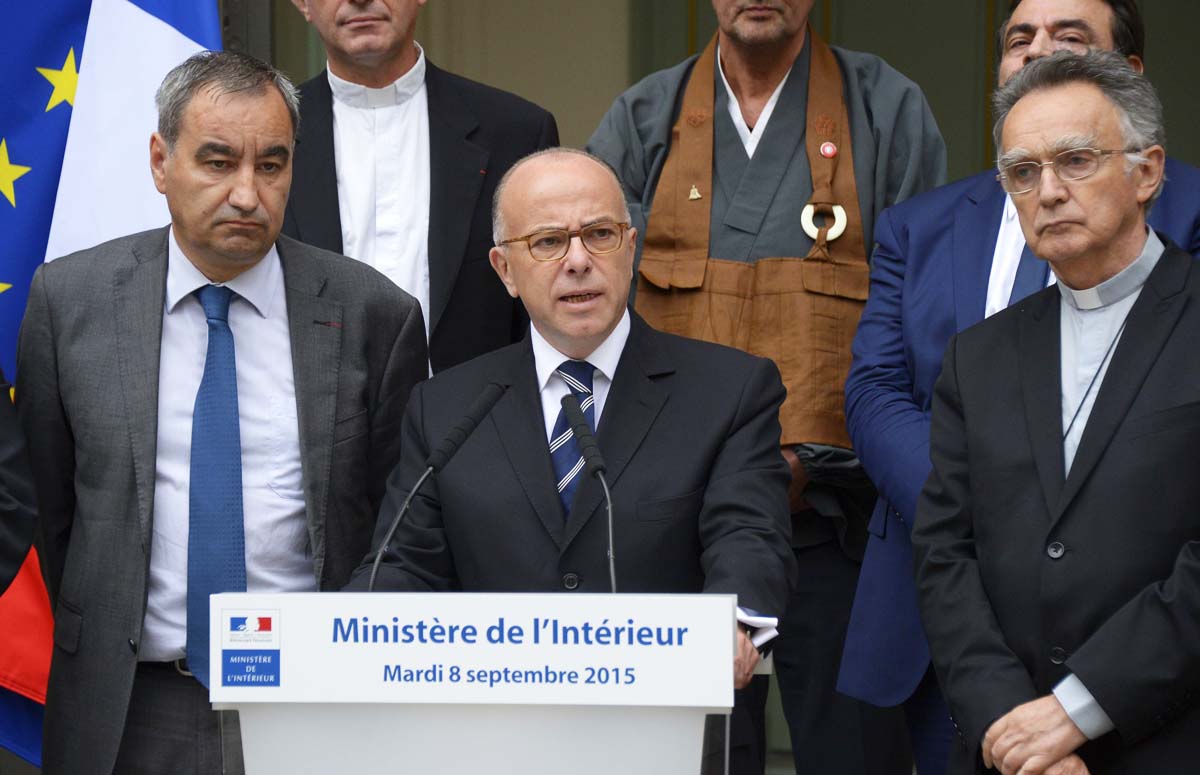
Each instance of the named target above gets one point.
<point>472,683</point>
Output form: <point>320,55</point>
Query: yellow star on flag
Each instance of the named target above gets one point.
<point>9,172</point>
<point>64,80</point>
<point>4,287</point>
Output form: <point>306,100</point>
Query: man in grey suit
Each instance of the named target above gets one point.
<point>210,407</point>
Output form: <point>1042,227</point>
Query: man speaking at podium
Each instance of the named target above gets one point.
<point>689,431</point>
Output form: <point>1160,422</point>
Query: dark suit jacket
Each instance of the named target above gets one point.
<point>475,134</point>
<point>87,392</point>
<point>17,515</point>
<point>929,277</point>
<point>690,433</point>
<point>1025,576</point>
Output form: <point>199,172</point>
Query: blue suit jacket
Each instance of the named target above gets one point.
<point>929,276</point>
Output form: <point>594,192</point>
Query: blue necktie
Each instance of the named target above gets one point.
<point>216,539</point>
<point>564,448</point>
<point>1031,276</point>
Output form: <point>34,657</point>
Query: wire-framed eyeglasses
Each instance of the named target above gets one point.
<point>1076,164</point>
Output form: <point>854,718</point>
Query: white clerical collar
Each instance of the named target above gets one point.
<point>604,358</point>
<point>1120,285</point>
<point>396,93</point>
<point>261,284</point>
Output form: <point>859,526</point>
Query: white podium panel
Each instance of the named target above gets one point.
<point>452,683</point>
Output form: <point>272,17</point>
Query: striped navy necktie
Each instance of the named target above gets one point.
<point>564,448</point>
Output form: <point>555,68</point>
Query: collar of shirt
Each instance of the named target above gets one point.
<point>749,137</point>
<point>1125,282</point>
<point>604,359</point>
<point>395,93</point>
<point>547,359</point>
<point>261,285</point>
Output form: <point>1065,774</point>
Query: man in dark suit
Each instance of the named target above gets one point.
<point>209,408</point>
<point>943,261</point>
<point>396,166</point>
<point>17,514</point>
<point>1057,563</point>
<point>690,431</point>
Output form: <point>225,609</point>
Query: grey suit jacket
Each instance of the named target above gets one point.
<point>88,400</point>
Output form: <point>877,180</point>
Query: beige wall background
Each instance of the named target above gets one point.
<point>572,58</point>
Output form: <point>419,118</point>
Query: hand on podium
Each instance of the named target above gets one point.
<point>745,659</point>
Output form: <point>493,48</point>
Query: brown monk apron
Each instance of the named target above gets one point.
<point>800,312</point>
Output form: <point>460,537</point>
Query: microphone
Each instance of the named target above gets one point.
<point>438,459</point>
<point>594,462</point>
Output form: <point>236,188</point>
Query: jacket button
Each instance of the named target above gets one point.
<point>1056,550</point>
<point>570,581</point>
<point>133,645</point>
<point>1058,655</point>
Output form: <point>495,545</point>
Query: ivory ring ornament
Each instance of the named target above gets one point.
<point>835,231</point>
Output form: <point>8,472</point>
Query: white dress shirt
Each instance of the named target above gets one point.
<point>1010,243</point>
<point>1090,328</point>
<point>381,153</point>
<point>278,555</point>
<point>749,137</point>
<point>546,359</point>
<point>604,359</point>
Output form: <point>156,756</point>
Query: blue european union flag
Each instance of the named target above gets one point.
<point>40,48</point>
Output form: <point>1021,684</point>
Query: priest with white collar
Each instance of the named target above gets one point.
<point>396,166</point>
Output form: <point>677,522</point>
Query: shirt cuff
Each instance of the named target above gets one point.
<point>1082,707</point>
<point>763,629</point>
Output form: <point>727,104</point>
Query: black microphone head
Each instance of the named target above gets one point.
<point>583,434</point>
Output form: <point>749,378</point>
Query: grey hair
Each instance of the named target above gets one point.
<point>225,72</point>
<point>498,219</point>
<point>1138,107</point>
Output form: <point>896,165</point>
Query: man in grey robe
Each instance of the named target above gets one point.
<point>767,102</point>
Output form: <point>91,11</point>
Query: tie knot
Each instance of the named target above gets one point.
<point>577,375</point>
<point>215,300</point>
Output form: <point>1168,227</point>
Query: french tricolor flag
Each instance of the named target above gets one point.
<point>130,46</point>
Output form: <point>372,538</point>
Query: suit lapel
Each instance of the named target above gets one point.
<point>314,196</point>
<point>139,290</point>
<point>519,411</point>
<point>315,329</point>
<point>634,401</point>
<point>457,168</point>
<point>1150,323</point>
<point>976,225</point>
<point>1041,390</point>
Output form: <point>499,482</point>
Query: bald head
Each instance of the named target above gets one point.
<point>537,160</point>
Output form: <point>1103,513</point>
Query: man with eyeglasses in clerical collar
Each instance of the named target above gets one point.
<point>943,261</point>
<point>1057,566</point>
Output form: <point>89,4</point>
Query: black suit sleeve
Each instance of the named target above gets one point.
<point>980,675</point>
<point>430,566</point>
<point>745,529</point>
<point>17,516</point>
<point>407,365</point>
<point>1143,664</point>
